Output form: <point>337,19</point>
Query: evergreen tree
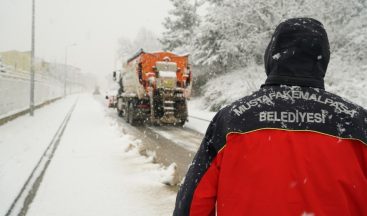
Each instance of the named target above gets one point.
<point>235,33</point>
<point>180,25</point>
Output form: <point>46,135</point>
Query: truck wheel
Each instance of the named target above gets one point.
<point>125,114</point>
<point>130,115</point>
<point>119,108</point>
<point>120,113</point>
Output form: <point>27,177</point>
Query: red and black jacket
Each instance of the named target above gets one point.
<point>284,150</point>
<point>281,151</point>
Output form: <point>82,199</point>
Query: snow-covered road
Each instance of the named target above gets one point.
<point>22,143</point>
<point>93,172</point>
<point>168,144</point>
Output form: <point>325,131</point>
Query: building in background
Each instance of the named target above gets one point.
<point>50,80</point>
<point>16,60</point>
<point>19,62</point>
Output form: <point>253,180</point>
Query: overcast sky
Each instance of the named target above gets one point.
<point>94,25</point>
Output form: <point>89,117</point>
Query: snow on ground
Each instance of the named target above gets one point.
<point>22,142</point>
<point>342,78</point>
<point>91,174</point>
<point>96,169</point>
<point>225,89</point>
<point>185,139</point>
<point>199,118</point>
<point>183,143</point>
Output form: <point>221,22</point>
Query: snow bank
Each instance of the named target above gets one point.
<point>199,116</point>
<point>225,89</point>
<point>342,78</point>
<point>169,175</point>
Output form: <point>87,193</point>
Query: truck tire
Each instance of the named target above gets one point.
<point>119,109</point>
<point>127,113</point>
<point>120,113</point>
<point>130,115</point>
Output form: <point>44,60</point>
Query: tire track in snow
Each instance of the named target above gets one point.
<point>29,190</point>
<point>198,118</point>
<point>170,144</point>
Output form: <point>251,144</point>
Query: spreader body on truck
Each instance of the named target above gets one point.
<point>154,88</point>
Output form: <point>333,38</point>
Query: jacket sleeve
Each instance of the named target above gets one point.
<point>197,195</point>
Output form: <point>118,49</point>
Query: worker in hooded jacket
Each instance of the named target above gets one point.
<point>290,148</point>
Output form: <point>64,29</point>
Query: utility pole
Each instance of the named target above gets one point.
<point>31,105</point>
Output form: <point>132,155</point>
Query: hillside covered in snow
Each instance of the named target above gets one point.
<point>227,43</point>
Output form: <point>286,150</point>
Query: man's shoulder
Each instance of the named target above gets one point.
<point>245,103</point>
<point>292,96</point>
<point>295,108</point>
<point>353,106</point>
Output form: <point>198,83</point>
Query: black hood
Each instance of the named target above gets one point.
<point>298,54</point>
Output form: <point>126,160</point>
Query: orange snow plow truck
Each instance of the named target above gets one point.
<point>154,88</point>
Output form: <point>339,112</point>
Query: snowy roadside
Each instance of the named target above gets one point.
<point>199,118</point>
<point>22,142</point>
<point>227,88</point>
<point>97,170</point>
